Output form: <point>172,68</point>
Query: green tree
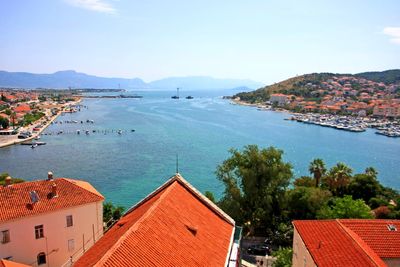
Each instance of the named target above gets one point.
<point>306,181</point>
<point>209,195</point>
<point>283,257</point>
<point>371,172</point>
<point>8,112</point>
<point>4,122</point>
<point>305,202</point>
<point>364,186</point>
<point>111,213</point>
<point>255,183</point>
<point>345,208</point>
<point>4,175</point>
<point>317,169</point>
<point>338,179</point>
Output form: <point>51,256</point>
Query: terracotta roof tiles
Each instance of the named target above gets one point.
<point>173,226</point>
<point>350,242</point>
<point>15,201</point>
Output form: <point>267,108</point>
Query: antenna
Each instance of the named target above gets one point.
<point>177,164</point>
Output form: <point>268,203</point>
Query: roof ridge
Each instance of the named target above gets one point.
<point>132,228</point>
<point>70,180</point>
<point>177,177</point>
<point>204,199</point>
<point>362,245</point>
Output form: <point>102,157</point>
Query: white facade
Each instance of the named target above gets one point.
<point>59,241</point>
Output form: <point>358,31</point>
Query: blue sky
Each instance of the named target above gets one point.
<point>263,40</point>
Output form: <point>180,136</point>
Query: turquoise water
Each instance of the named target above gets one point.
<point>126,167</point>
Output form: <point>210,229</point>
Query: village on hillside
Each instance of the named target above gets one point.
<point>342,102</point>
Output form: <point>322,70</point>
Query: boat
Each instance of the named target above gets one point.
<point>34,145</point>
<point>119,131</point>
<point>189,97</point>
<point>177,94</point>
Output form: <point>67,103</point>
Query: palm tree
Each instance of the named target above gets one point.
<point>339,178</point>
<point>371,172</point>
<point>318,169</point>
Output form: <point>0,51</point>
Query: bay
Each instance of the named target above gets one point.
<point>126,167</point>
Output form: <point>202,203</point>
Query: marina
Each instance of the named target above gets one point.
<point>349,123</point>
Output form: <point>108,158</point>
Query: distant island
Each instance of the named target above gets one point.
<point>72,79</point>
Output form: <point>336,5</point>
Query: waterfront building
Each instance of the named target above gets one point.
<point>175,225</point>
<point>279,99</point>
<point>49,222</point>
<point>346,242</point>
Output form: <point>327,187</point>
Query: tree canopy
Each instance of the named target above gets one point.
<point>255,182</point>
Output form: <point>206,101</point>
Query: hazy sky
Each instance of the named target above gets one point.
<point>262,40</point>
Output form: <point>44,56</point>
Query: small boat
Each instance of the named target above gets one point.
<point>132,130</point>
<point>189,97</point>
<point>34,145</point>
<point>87,132</point>
<point>177,94</point>
<point>120,131</point>
<point>78,132</point>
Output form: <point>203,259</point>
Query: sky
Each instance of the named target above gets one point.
<point>263,40</point>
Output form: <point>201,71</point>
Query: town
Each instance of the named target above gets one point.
<point>338,101</point>
<point>24,114</point>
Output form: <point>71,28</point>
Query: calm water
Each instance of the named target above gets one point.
<point>127,167</point>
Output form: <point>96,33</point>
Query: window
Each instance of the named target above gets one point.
<point>71,245</point>
<point>41,258</point>
<point>70,222</point>
<point>39,231</point>
<point>5,236</point>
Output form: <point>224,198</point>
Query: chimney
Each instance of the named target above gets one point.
<point>49,176</point>
<point>54,190</point>
<point>7,181</point>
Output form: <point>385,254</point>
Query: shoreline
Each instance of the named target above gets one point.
<point>15,141</point>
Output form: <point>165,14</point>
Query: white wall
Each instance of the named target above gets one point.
<point>24,247</point>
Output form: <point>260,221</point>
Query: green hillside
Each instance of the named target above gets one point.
<point>387,77</point>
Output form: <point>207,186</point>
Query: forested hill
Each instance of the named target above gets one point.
<point>387,77</point>
<point>306,84</point>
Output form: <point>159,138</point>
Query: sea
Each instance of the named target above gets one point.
<point>195,133</point>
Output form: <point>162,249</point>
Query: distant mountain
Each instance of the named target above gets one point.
<point>70,78</point>
<point>387,77</point>
<point>65,79</point>
<point>202,82</point>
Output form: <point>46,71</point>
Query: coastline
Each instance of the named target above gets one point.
<point>14,140</point>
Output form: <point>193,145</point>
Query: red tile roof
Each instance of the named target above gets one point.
<point>15,200</point>
<point>22,108</point>
<point>174,226</point>
<point>376,234</point>
<point>350,242</point>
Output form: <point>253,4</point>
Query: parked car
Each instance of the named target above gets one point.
<point>22,136</point>
<point>259,249</point>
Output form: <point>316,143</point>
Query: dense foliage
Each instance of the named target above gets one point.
<point>111,213</point>
<point>258,194</point>
<point>388,76</point>
<point>283,257</point>
<point>255,183</point>
<point>31,117</point>
<point>3,177</point>
<point>4,123</point>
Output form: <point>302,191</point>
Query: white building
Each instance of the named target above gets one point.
<point>49,222</point>
<point>279,99</point>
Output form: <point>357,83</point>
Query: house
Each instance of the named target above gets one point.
<point>279,99</point>
<point>346,242</point>
<point>173,226</point>
<point>23,108</point>
<point>46,222</point>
